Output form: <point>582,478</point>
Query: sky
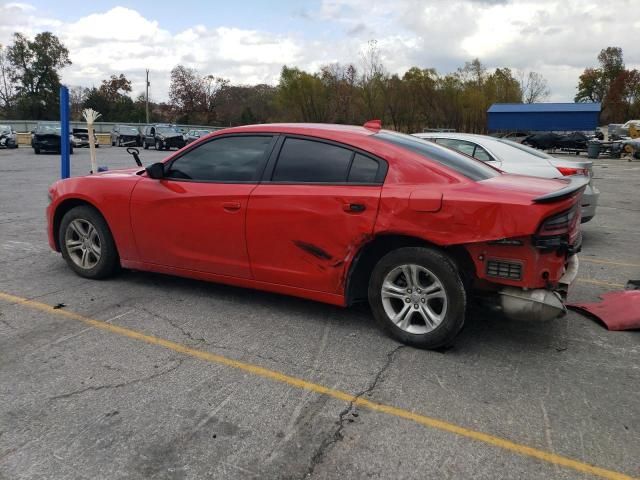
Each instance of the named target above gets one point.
<point>248,41</point>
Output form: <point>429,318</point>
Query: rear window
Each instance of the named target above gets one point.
<point>470,168</point>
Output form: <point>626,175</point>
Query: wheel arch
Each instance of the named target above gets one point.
<point>357,281</point>
<point>63,207</point>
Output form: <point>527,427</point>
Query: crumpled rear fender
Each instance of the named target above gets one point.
<point>462,216</point>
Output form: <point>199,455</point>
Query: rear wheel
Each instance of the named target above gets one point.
<point>158,145</point>
<point>86,243</point>
<point>144,145</point>
<point>417,295</point>
<point>36,151</point>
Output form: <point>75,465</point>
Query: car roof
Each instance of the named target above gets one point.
<point>322,129</point>
<point>462,136</point>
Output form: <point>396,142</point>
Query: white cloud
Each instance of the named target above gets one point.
<point>557,38</point>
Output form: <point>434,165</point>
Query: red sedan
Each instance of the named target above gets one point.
<point>338,214</point>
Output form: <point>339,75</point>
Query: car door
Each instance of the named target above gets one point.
<point>317,204</point>
<point>194,217</point>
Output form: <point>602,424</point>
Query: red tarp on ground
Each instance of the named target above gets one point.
<point>617,310</point>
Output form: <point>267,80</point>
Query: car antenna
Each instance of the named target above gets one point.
<point>136,157</point>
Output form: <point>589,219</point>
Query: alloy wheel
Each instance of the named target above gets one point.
<point>83,243</point>
<point>414,299</point>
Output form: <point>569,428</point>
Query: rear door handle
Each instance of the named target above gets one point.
<point>354,207</point>
<point>231,206</point>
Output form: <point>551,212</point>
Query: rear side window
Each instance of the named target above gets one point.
<point>459,145</point>
<point>470,168</point>
<point>227,159</point>
<point>363,170</point>
<point>309,161</point>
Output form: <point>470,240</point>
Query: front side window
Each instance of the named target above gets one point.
<point>228,159</point>
<point>309,161</point>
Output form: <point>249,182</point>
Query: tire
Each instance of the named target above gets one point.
<point>101,262</point>
<point>119,142</point>
<point>158,146</point>
<point>36,151</point>
<point>434,309</point>
<point>144,145</point>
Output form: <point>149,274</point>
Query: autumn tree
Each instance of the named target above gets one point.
<point>195,98</point>
<point>35,71</point>
<point>612,84</point>
<point>7,83</point>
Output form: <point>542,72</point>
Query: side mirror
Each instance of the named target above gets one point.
<point>155,171</point>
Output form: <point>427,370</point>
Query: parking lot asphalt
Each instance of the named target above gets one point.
<point>151,376</point>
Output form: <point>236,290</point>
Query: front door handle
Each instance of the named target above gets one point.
<point>354,207</point>
<point>231,206</point>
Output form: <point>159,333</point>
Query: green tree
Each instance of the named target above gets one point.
<point>36,64</point>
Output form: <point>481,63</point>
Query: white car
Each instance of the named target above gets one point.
<point>513,157</point>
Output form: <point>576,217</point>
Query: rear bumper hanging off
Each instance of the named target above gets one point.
<point>539,304</point>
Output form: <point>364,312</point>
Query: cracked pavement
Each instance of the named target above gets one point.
<point>76,402</point>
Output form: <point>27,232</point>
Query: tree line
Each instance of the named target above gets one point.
<point>336,93</point>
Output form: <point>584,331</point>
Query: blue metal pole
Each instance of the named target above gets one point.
<point>65,163</point>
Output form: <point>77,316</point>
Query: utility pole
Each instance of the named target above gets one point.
<point>147,96</point>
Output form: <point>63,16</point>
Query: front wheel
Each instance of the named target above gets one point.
<point>158,145</point>
<point>86,243</point>
<point>417,295</point>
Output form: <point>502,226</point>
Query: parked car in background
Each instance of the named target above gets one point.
<point>335,213</point>
<point>126,136</point>
<point>80,138</point>
<point>8,137</point>
<point>193,135</point>
<point>513,157</point>
<point>162,137</point>
<point>46,137</point>
<point>621,131</point>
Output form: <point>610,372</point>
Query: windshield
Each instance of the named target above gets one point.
<point>524,148</point>
<point>203,132</point>
<point>5,129</point>
<point>132,130</point>
<point>166,130</point>
<point>49,128</point>
<point>467,166</point>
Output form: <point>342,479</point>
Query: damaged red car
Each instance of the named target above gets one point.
<point>338,214</point>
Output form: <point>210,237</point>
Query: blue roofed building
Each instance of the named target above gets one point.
<point>546,117</point>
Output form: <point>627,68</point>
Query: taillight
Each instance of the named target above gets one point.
<point>568,171</point>
<point>558,224</point>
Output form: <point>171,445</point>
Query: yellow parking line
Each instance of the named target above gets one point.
<point>300,383</point>
<point>608,262</point>
<point>601,283</point>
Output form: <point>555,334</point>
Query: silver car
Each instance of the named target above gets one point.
<point>513,157</point>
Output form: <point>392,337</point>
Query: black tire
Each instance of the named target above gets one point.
<point>36,151</point>
<point>158,146</point>
<point>445,271</point>
<point>109,261</point>
<point>144,145</point>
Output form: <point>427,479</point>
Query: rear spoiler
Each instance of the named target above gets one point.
<point>575,183</point>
